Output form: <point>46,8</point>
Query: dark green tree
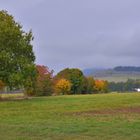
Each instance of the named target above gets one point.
<point>16,53</point>
<point>90,85</point>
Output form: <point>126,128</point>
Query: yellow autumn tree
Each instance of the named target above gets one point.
<point>101,86</point>
<point>63,87</point>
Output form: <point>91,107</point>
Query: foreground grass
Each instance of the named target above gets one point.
<point>87,117</point>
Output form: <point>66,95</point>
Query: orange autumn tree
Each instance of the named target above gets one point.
<point>63,87</point>
<point>2,85</point>
<point>44,84</point>
<point>101,86</point>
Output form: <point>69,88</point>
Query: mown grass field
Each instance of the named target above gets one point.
<point>80,117</point>
<point>119,78</point>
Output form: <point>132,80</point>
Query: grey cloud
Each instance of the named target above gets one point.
<point>81,33</point>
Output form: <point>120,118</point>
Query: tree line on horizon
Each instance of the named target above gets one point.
<point>129,86</point>
<point>66,82</point>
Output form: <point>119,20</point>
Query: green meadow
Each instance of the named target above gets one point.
<point>79,117</point>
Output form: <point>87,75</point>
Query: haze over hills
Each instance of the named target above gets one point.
<point>117,74</point>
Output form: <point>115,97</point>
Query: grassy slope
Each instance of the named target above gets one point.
<point>119,78</point>
<point>54,118</point>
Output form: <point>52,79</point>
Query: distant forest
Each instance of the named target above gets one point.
<point>127,69</point>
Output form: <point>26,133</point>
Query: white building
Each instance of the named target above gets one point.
<point>137,89</point>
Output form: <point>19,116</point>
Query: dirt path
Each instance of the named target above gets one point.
<point>124,110</point>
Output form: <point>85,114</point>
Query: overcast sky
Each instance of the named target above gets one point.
<point>81,33</point>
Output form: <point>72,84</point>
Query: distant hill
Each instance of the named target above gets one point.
<point>127,68</point>
<point>117,74</point>
<point>92,71</point>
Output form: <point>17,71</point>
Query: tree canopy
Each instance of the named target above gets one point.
<point>16,53</point>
